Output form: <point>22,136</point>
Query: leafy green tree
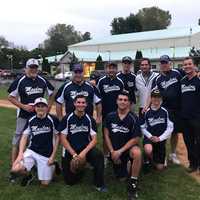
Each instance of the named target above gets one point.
<point>129,24</point>
<point>154,18</point>
<point>86,36</point>
<point>138,57</point>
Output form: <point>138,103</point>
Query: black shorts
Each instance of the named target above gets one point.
<point>159,150</point>
<point>175,117</point>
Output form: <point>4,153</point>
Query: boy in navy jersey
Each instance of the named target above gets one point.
<point>168,83</point>
<point>156,128</point>
<point>79,139</point>
<point>190,112</point>
<point>78,86</point>
<point>44,140</point>
<point>122,132</point>
<point>22,93</point>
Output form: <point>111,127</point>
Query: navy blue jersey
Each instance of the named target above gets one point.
<point>170,88</point>
<point>190,98</point>
<point>78,131</point>
<point>121,131</point>
<point>156,121</point>
<point>109,90</point>
<point>70,90</point>
<point>129,84</point>
<point>41,132</point>
<point>28,89</point>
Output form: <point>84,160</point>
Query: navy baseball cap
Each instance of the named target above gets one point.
<point>77,68</point>
<point>165,59</point>
<point>127,59</point>
<point>113,64</point>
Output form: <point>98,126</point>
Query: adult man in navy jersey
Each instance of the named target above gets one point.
<point>128,77</point>
<point>44,141</point>
<point>78,86</point>
<point>22,93</point>
<point>79,139</point>
<point>122,133</point>
<point>109,87</point>
<point>168,83</point>
<point>190,113</point>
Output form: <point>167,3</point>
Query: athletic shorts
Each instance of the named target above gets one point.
<point>20,124</point>
<point>31,158</point>
<point>175,117</point>
<point>159,150</point>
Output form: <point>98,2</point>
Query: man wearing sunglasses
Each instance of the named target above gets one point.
<point>122,133</point>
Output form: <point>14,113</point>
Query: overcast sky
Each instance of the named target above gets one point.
<point>25,22</point>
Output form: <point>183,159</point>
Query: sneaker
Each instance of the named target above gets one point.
<point>27,180</point>
<point>12,177</point>
<point>174,159</point>
<point>132,189</point>
<point>102,189</point>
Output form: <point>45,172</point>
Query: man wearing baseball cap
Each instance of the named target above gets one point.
<point>168,83</point>
<point>78,86</point>
<point>22,93</point>
<point>128,77</point>
<point>44,141</point>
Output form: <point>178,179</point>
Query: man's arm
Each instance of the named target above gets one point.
<point>99,113</point>
<point>59,110</point>
<point>55,147</point>
<point>67,145</point>
<point>91,145</point>
<point>51,100</point>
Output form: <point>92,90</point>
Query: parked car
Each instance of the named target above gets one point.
<point>61,76</point>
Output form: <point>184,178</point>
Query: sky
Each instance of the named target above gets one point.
<point>25,22</point>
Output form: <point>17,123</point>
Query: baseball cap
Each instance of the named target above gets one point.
<point>155,93</point>
<point>32,62</point>
<point>40,100</point>
<point>77,68</point>
<point>113,64</point>
<point>165,59</point>
<point>127,59</point>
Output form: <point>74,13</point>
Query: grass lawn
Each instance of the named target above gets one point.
<point>3,92</point>
<point>173,184</point>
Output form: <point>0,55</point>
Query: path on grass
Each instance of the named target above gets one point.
<point>181,150</point>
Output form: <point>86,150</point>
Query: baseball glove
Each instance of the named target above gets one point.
<point>77,164</point>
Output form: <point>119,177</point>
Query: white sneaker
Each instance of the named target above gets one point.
<point>174,159</point>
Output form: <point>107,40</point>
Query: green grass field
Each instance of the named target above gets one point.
<point>3,92</point>
<point>173,184</point>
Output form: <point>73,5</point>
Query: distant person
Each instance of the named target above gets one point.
<point>42,148</point>
<point>144,82</point>
<point>79,139</point>
<point>128,78</point>
<point>168,83</point>
<point>156,128</point>
<point>78,86</point>
<point>122,133</point>
<point>22,93</point>
<point>109,87</point>
<point>190,113</point>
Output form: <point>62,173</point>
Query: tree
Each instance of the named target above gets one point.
<point>86,36</point>
<point>154,18</point>
<point>195,54</point>
<point>3,42</point>
<point>74,60</point>
<point>138,57</point>
<point>60,36</point>
<point>129,24</point>
<point>99,63</point>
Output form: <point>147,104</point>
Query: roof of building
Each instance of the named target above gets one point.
<point>88,56</point>
<point>141,36</point>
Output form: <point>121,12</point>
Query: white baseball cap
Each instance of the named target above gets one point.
<point>32,62</point>
<point>40,100</point>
